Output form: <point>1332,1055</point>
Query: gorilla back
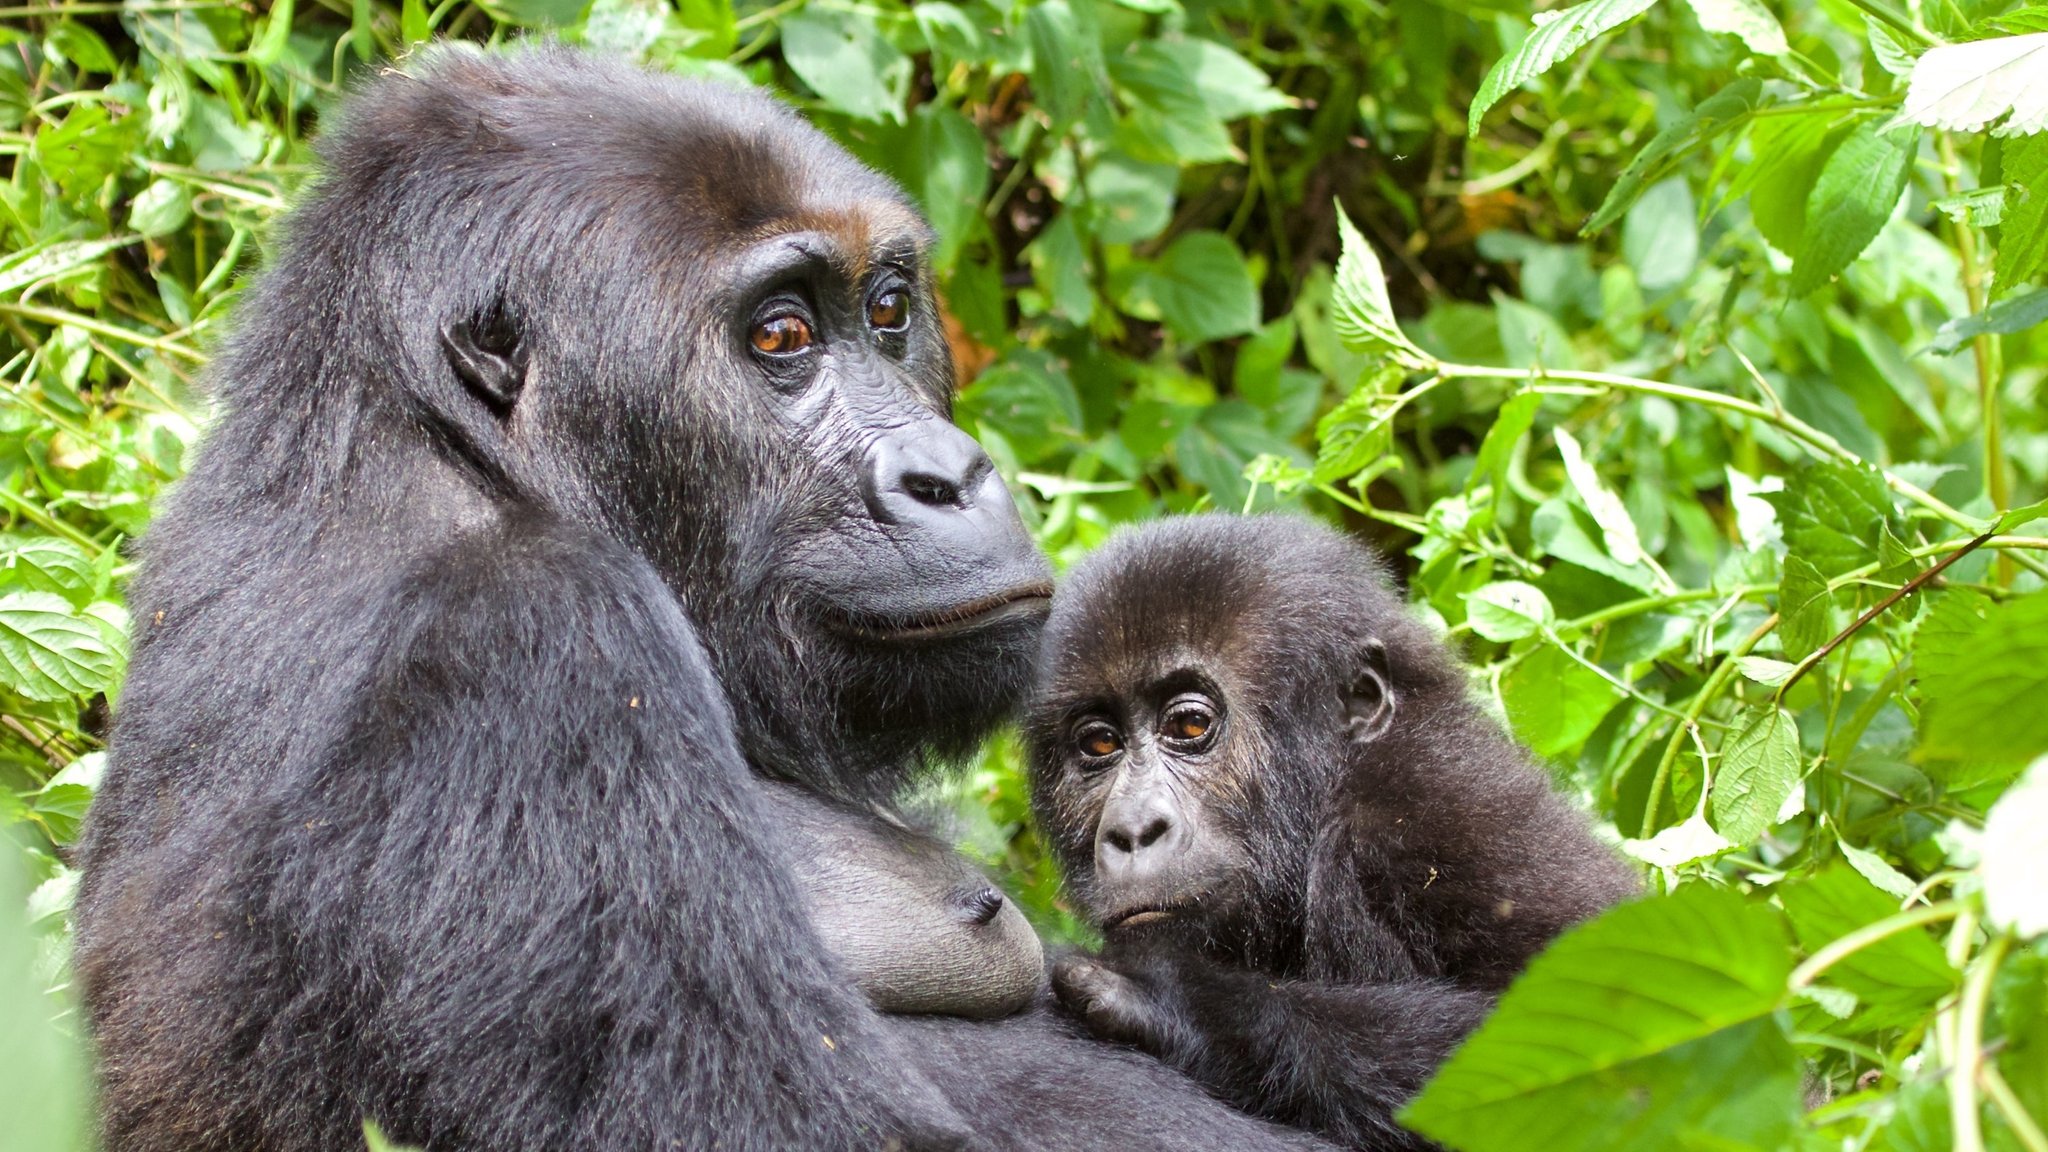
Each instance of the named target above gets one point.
<point>585,449</point>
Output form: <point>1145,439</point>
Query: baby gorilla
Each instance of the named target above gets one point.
<point>1315,860</point>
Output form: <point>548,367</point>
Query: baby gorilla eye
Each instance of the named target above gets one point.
<point>781,335</point>
<point>1189,723</point>
<point>889,311</point>
<point>1098,740</point>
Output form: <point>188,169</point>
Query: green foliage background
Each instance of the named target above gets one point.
<point>1683,351</point>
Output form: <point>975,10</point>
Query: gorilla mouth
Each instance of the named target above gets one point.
<point>1143,914</point>
<point>1030,601</point>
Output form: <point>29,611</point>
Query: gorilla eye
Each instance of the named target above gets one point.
<point>1097,740</point>
<point>889,310</point>
<point>781,336</point>
<point>1190,722</point>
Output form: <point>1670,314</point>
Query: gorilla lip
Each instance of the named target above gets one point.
<point>1031,600</point>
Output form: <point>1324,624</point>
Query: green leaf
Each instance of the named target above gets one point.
<point>46,653</point>
<point>1558,34</point>
<point>1169,118</point>
<point>1232,86</point>
<point>1858,187</point>
<point>1516,417</point>
<point>1647,1028</point>
<point>1877,870</point>
<point>1066,66</point>
<point>2026,514</point>
<point>1748,19</point>
<point>1804,622</point>
<point>1356,432</point>
<point>1714,115</point>
<point>1607,510</point>
<point>1203,289</point>
<point>2001,319</point>
<point>2023,234</point>
<point>1030,400</point>
<point>47,564</point>
<point>1059,264</point>
<point>1359,308</point>
<point>1760,766</point>
<point>1895,979</point>
<point>1129,200</point>
<point>1508,610</point>
<point>843,57</point>
<point>1831,515</point>
<point>1964,87</point>
<point>1562,529</point>
<point>159,209</point>
<point>1985,700</point>
<point>269,45</point>
<point>84,48</point>
<point>1660,238</point>
<point>1554,702</point>
<point>1789,152</point>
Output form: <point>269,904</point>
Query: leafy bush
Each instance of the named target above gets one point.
<point>1684,351</point>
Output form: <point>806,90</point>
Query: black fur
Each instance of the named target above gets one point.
<point>1349,866</point>
<point>503,571</point>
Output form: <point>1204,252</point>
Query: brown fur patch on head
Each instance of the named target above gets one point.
<point>857,230</point>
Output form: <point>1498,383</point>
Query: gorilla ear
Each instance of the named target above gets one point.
<point>489,357</point>
<point>1369,700</point>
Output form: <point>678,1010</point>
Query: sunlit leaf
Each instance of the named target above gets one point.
<point>47,653</point>
<point>1508,610</point>
<point>1858,187</point>
<point>1558,34</point>
<point>1759,767</point>
<point>2014,855</point>
<point>1748,19</point>
<point>1964,87</point>
<point>1359,308</point>
<point>1647,1028</point>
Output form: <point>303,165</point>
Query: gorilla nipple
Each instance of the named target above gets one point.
<point>981,905</point>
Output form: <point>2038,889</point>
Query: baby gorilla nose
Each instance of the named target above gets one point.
<point>1139,837</point>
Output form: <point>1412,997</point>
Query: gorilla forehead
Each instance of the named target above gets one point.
<point>684,159</point>
<point>1280,599</point>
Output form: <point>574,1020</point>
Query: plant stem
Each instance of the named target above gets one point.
<point>2023,1125</point>
<point>1883,14</point>
<point>1873,933</point>
<point>1698,705</point>
<point>1984,349</point>
<point>1875,610</point>
<point>1969,1047</point>
<point>1823,444</point>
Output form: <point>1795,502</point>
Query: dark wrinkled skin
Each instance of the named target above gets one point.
<point>1314,858</point>
<point>509,572</point>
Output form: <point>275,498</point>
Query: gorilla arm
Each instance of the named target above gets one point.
<point>568,928</point>
<point>1336,1059</point>
<point>918,929</point>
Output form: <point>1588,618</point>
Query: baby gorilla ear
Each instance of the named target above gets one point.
<point>488,355</point>
<point>1369,700</point>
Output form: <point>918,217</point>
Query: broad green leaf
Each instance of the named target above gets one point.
<point>49,262</point>
<point>1984,699</point>
<point>1030,400</point>
<point>1059,263</point>
<point>1065,63</point>
<point>2023,234</point>
<point>1660,237</point>
<point>1713,116</point>
<point>2014,855</point>
<point>1831,515</point>
<point>1203,290</point>
<point>1617,530</point>
<point>1789,152</point>
<point>952,35</point>
<point>1554,702</point>
<point>1170,121</point>
<point>45,1079</point>
<point>1356,432</point>
<point>1129,200</point>
<point>1215,450</point>
<point>161,208</point>
<point>1759,767</point>
<point>1964,87</point>
<point>1804,620</point>
<point>1513,422</point>
<point>1877,870</point>
<point>1748,19</point>
<point>1894,980</point>
<point>1508,610</point>
<point>1359,308</point>
<point>2016,314</point>
<point>1232,86</point>
<point>46,653</point>
<point>954,174</point>
<point>1858,187</point>
<point>2026,514</point>
<point>47,564</point>
<point>1683,843</point>
<point>1647,1028</point>
<point>269,45</point>
<point>1565,530</point>
<point>82,46</point>
<point>1558,34</point>
<point>628,27</point>
<point>843,57</point>
<point>1764,670</point>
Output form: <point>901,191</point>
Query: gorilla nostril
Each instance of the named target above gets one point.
<point>926,488</point>
<point>1153,832</point>
<point>1117,839</point>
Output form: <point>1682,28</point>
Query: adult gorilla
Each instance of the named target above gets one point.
<point>585,445</point>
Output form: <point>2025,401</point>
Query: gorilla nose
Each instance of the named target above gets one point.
<point>1136,839</point>
<point>929,473</point>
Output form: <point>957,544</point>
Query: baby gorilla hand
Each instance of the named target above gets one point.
<point>1125,1007</point>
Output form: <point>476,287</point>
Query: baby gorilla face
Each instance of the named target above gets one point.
<point>1144,795</point>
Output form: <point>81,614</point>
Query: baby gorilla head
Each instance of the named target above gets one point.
<point>1204,684</point>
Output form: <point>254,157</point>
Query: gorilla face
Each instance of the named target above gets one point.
<point>735,361</point>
